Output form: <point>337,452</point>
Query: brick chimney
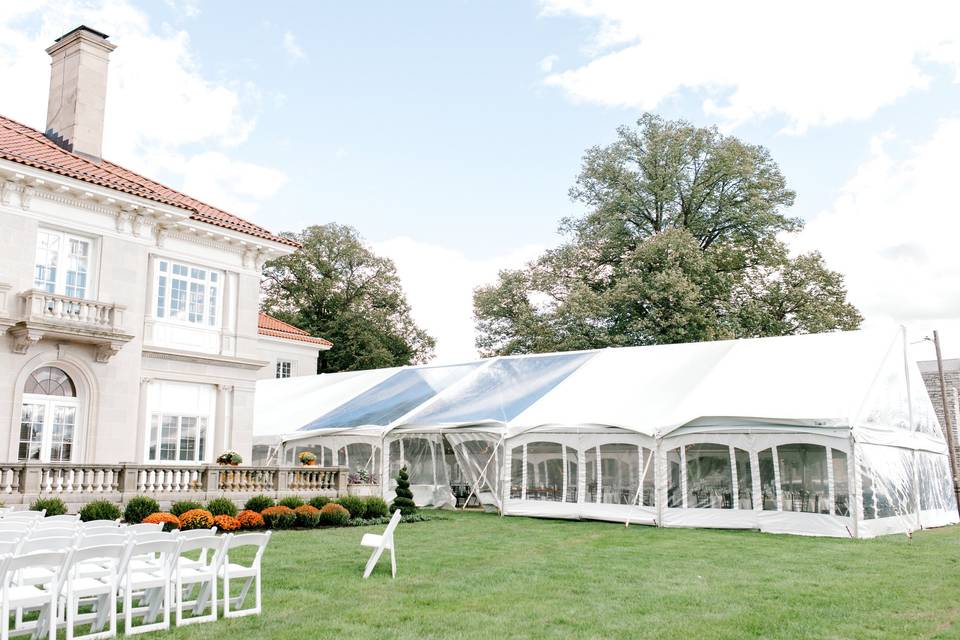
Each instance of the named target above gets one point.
<point>78,90</point>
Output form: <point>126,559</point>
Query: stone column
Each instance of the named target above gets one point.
<point>143,422</point>
<point>220,440</point>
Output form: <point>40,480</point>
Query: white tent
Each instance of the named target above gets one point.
<point>828,434</point>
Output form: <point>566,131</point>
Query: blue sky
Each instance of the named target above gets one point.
<point>449,132</point>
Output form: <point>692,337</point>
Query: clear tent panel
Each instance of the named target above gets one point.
<point>478,458</point>
<point>841,483</point>
<point>709,478</point>
<point>393,398</point>
<point>887,478</point>
<point>744,479</point>
<point>502,390</point>
<point>803,477</point>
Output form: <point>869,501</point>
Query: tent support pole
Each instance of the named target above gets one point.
<point>483,473</point>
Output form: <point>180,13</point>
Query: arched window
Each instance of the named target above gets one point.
<point>48,417</point>
<point>50,381</point>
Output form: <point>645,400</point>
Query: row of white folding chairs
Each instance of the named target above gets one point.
<point>43,528</point>
<point>151,568</point>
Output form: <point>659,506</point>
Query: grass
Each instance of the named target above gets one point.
<point>475,575</point>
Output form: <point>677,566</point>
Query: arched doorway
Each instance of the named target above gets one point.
<point>48,419</point>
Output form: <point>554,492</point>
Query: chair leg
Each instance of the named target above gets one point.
<point>393,562</point>
<point>372,562</point>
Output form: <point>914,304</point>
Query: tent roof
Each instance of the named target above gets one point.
<point>822,380</point>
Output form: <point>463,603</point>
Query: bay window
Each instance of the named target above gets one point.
<point>187,293</point>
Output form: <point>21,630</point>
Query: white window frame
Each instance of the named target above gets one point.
<point>155,438</point>
<point>212,278</point>
<point>279,369</point>
<point>60,283</point>
<point>49,404</point>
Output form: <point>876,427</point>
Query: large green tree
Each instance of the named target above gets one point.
<point>334,286</point>
<point>682,241</point>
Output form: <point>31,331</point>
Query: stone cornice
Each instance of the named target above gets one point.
<point>163,353</point>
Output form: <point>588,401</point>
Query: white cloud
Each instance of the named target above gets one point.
<point>234,186</point>
<point>546,64</point>
<point>893,232</point>
<point>158,101</point>
<point>293,49</point>
<point>439,284</point>
<point>816,63</point>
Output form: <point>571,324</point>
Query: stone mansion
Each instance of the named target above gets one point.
<point>129,311</point>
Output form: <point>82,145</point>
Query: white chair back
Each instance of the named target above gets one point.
<point>52,532</point>
<point>99,539</point>
<point>145,526</point>
<point>394,521</point>
<point>153,536</point>
<point>197,533</point>
<point>63,518</point>
<point>9,547</point>
<point>45,545</point>
<point>100,524</point>
<point>24,515</point>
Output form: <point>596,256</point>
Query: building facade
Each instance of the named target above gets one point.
<point>951,376</point>
<point>129,311</point>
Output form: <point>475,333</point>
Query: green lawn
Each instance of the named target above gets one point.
<point>480,576</point>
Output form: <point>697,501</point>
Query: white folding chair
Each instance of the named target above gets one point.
<point>41,595</point>
<point>231,570</point>
<point>153,585</point>
<point>200,575</point>
<point>101,589</point>
<point>9,547</point>
<point>94,569</point>
<point>379,543</point>
<point>145,526</point>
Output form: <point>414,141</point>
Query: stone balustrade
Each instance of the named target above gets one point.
<point>54,307</point>
<point>76,484</point>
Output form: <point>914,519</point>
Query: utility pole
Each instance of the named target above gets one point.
<point>947,422</point>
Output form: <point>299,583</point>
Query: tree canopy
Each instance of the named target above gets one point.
<point>335,287</point>
<point>681,242</point>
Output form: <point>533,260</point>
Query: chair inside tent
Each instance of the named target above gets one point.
<point>828,434</point>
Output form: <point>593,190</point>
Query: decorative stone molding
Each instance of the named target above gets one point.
<point>136,224</point>
<point>4,290</point>
<point>122,217</point>
<point>26,196</point>
<point>107,350</point>
<point>23,338</point>
<point>249,259</point>
<point>161,233</point>
<point>6,188</point>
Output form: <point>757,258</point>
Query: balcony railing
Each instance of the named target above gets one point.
<point>77,484</point>
<point>54,307</point>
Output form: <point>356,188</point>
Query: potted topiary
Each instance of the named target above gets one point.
<point>230,458</point>
<point>307,458</point>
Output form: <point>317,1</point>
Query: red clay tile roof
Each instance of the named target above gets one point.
<point>24,145</point>
<point>270,326</point>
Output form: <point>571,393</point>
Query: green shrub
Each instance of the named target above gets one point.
<point>258,503</point>
<point>54,506</point>
<point>100,510</point>
<point>375,507</point>
<point>291,502</point>
<point>319,501</point>
<point>356,505</point>
<point>222,507</point>
<point>180,507</point>
<point>138,508</point>
<point>279,517</point>
<point>333,515</point>
<point>404,500</point>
